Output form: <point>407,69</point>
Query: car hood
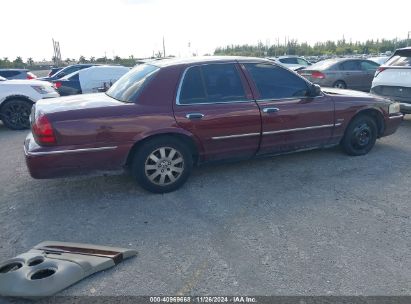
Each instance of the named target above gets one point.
<point>76,102</point>
<point>26,82</point>
<point>344,92</point>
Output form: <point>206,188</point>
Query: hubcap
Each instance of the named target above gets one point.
<point>164,166</point>
<point>17,115</point>
<point>362,136</point>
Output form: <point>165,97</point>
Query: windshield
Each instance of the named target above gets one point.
<point>127,87</point>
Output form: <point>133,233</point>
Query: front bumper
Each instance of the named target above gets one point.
<point>50,162</point>
<point>392,124</point>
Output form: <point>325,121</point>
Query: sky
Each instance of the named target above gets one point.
<point>137,27</point>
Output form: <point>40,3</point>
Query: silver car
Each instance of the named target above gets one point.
<point>343,73</point>
<point>17,74</point>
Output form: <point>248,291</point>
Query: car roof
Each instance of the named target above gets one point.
<point>19,70</point>
<point>203,59</point>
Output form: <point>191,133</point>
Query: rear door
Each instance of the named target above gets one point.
<point>290,119</point>
<point>215,104</point>
<point>352,74</point>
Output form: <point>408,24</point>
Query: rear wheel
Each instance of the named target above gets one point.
<point>340,84</point>
<point>360,136</point>
<point>15,114</point>
<point>162,164</point>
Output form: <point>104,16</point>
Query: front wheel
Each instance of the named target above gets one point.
<point>162,164</point>
<point>15,114</point>
<point>360,136</point>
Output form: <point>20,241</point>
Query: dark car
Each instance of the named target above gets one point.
<point>67,71</point>
<point>54,71</point>
<point>163,117</point>
<point>342,73</point>
<point>17,74</point>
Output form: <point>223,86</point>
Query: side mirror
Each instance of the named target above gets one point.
<point>315,90</point>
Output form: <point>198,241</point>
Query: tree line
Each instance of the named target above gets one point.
<point>293,47</point>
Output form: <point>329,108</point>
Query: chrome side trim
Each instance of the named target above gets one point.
<point>68,151</point>
<point>299,129</point>
<point>396,116</point>
<point>235,136</point>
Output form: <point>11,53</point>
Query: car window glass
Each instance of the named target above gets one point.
<point>74,77</point>
<point>274,82</point>
<point>350,65</point>
<point>369,66</point>
<point>212,83</point>
<point>289,60</point>
<point>222,83</point>
<point>192,89</point>
<point>301,61</point>
<point>7,74</point>
<point>398,60</point>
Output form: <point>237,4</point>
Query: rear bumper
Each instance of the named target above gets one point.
<point>392,124</point>
<point>50,162</point>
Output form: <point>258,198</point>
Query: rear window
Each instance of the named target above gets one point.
<point>400,59</point>
<point>129,85</point>
<point>324,65</point>
<point>7,74</point>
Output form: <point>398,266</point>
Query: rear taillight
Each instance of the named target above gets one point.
<point>43,131</point>
<point>379,70</point>
<point>57,84</point>
<point>31,76</point>
<point>317,75</point>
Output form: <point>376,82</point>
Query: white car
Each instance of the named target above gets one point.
<point>90,80</point>
<point>393,79</point>
<point>294,63</point>
<point>17,98</point>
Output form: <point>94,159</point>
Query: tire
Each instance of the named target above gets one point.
<point>360,136</point>
<point>15,114</point>
<point>340,84</point>
<point>153,166</point>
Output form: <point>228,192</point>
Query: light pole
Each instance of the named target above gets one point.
<point>408,39</point>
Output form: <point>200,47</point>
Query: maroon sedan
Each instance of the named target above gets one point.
<point>162,118</point>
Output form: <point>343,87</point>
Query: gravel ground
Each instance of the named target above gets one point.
<point>311,223</point>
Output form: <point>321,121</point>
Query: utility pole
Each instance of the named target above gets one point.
<point>164,48</point>
<point>408,39</point>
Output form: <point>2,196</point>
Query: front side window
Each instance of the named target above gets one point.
<point>369,66</point>
<point>212,83</point>
<point>130,84</point>
<point>274,82</point>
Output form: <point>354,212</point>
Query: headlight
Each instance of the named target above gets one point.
<point>43,89</point>
<point>394,108</point>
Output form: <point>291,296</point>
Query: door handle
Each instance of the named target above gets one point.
<point>271,110</point>
<point>194,116</point>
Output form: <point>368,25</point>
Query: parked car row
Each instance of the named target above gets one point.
<point>17,95</point>
<point>162,118</point>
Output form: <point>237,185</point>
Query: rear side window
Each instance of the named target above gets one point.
<point>400,60</point>
<point>274,82</point>
<point>74,77</point>
<point>8,74</point>
<point>212,83</point>
<point>350,65</point>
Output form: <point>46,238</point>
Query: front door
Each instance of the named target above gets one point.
<point>215,104</point>
<point>291,120</point>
